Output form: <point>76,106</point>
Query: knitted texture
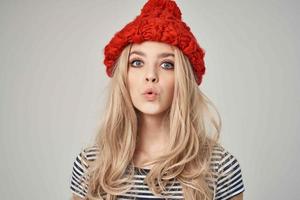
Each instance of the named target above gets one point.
<point>159,20</point>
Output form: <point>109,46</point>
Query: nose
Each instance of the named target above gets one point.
<point>151,76</point>
<point>151,79</point>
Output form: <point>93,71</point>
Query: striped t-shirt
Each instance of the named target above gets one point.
<point>227,178</point>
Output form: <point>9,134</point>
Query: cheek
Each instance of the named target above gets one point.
<point>132,81</point>
<point>170,87</point>
<point>132,75</point>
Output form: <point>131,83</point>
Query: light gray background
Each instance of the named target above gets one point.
<point>52,85</point>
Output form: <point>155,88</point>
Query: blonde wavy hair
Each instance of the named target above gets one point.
<point>194,125</point>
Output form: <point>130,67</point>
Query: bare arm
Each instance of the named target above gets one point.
<point>238,197</point>
<point>75,197</point>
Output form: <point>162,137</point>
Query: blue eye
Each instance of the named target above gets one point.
<point>169,65</point>
<point>135,63</point>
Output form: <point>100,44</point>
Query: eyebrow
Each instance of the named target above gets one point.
<point>162,55</point>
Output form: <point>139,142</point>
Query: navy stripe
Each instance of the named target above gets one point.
<point>229,185</point>
<point>79,167</point>
<point>229,195</point>
<point>235,172</point>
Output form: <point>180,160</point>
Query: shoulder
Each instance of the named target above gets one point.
<point>229,180</point>
<point>224,159</point>
<point>86,155</point>
<point>89,153</point>
<point>79,178</point>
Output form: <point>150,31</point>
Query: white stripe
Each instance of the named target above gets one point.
<point>228,163</point>
<point>76,178</point>
<point>77,169</point>
<point>79,187</point>
<point>82,161</point>
<point>77,193</point>
<point>140,190</point>
<point>229,172</point>
<point>224,184</point>
<point>146,187</point>
<point>151,197</point>
<point>230,191</point>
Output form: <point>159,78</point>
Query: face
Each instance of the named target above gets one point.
<point>151,77</point>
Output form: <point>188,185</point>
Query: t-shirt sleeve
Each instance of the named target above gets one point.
<point>230,180</point>
<point>78,182</point>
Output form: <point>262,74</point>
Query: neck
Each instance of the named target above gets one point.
<point>153,132</point>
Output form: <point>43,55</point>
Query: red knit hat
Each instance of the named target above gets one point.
<point>159,20</point>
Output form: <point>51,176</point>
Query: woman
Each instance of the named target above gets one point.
<point>159,135</point>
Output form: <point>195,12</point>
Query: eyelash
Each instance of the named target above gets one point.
<point>168,62</point>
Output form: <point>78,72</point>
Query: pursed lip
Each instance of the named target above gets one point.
<point>150,91</point>
<point>150,96</point>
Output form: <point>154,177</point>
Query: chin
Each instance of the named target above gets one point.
<point>151,111</point>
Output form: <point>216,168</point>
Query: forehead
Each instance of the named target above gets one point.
<point>152,47</point>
